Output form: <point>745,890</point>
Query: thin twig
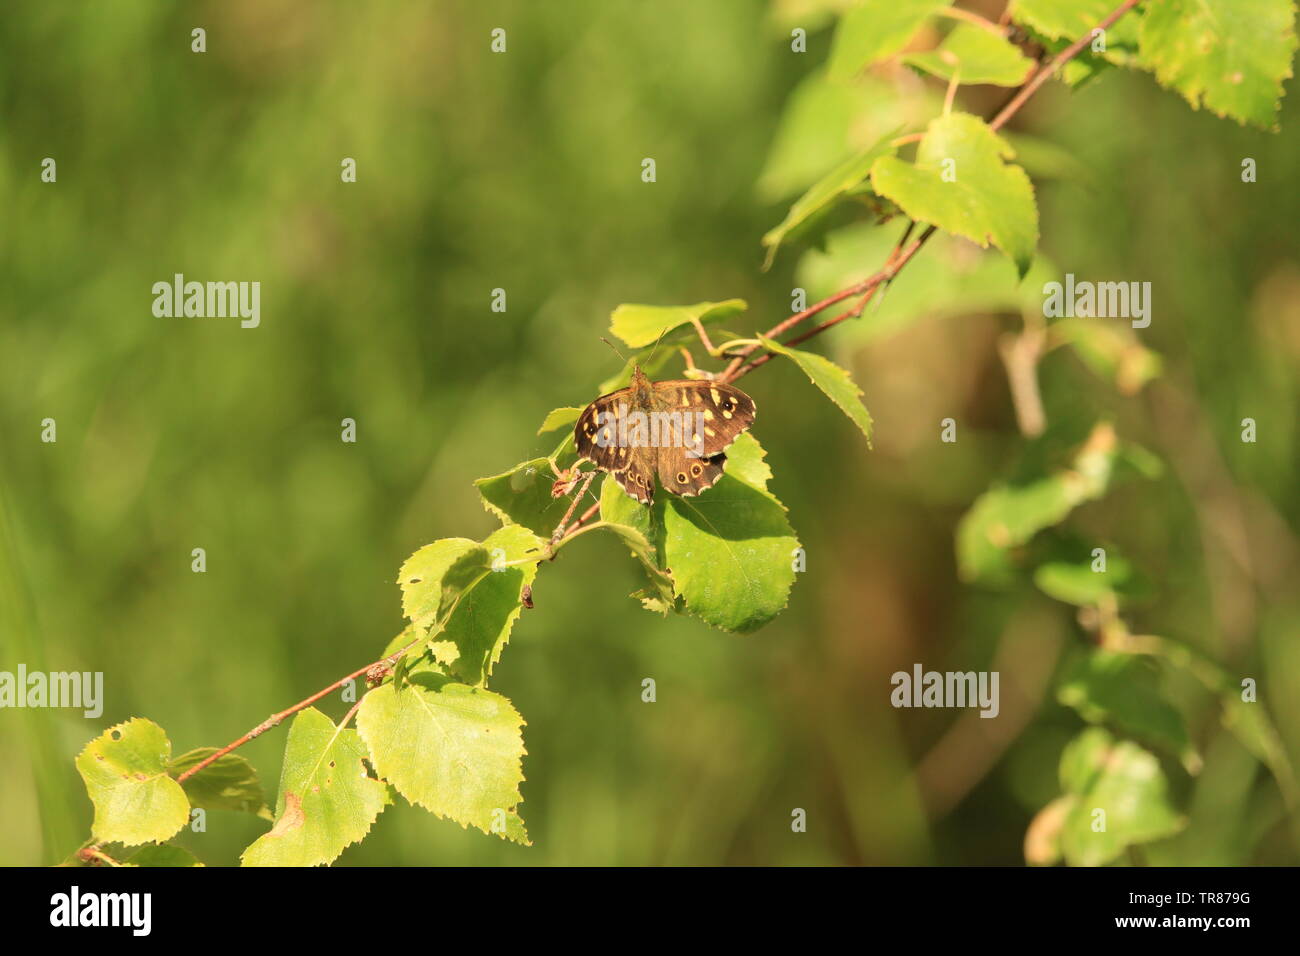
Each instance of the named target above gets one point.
<point>275,719</point>
<point>1042,76</point>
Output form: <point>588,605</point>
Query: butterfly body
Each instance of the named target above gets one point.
<point>676,431</point>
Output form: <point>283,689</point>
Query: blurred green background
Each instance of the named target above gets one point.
<point>522,171</point>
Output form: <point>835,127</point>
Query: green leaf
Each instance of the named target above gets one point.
<point>974,55</point>
<point>961,184</point>
<point>163,854</point>
<point>1067,20</point>
<point>840,182</point>
<point>327,799</point>
<point>434,577</point>
<point>1230,55</point>
<point>875,29</point>
<point>455,750</point>
<point>642,325</point>
<point>729,551</point>
<point>481,622</point>
<point>559,417</point>
<point>823,123</point>
<point>1007,516</point>
<point>1121,690</point>
<point>1128,784</point>
<point>125,772</point>
<point>228,783</point>
<point>831,379</point>
<point>1078,584</point>
<point>523,496</point>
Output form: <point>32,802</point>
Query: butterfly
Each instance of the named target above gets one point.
<point>676,430</point>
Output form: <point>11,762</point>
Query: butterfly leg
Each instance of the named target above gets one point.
<point>560,528</point>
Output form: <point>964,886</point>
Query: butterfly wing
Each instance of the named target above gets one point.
<point>714,414</point>
<point>596,433</point>
<point>685,475</point>
<point>601,437</point>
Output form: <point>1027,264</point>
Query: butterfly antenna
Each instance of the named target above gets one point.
<point>614,347</point>
<point>662,333</point>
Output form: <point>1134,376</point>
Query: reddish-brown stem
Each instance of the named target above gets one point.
<point>275,719</point>
<point>1043,75</point>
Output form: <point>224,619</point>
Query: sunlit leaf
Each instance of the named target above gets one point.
<point>523,496</point>
<point>455,750</point>
<point>641,325</point>
<point>961,184</point>
<point>125,772</point>
<point>974,55</point>
<point>834,382</point>
<point>1122,799</point>
<point>1230,55</point>
<point>327,798</point>
<point>729,550</point>
<point>559,417</point>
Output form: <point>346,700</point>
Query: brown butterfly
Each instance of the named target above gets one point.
<point>677,430</point>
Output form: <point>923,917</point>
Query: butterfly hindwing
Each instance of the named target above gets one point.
<point>686,475</point>
<point>638,476</point>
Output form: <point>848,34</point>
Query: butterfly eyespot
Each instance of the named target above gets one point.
<point>728,404</point>
<point>681,477</point>
<point>696,470</point>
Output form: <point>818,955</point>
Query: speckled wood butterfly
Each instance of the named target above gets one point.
<point>677,430</point>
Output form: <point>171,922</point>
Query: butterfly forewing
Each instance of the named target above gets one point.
<point>718,413</point>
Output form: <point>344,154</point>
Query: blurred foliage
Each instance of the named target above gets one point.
<point>521,171</point>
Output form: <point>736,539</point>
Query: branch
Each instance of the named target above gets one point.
<point>896,261</point>
<point>378,667</point>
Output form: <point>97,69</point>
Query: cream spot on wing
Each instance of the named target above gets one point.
<point>717,399</point>
<point>726,415</point>
<point>709,431</point>
<point>708,415</point>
